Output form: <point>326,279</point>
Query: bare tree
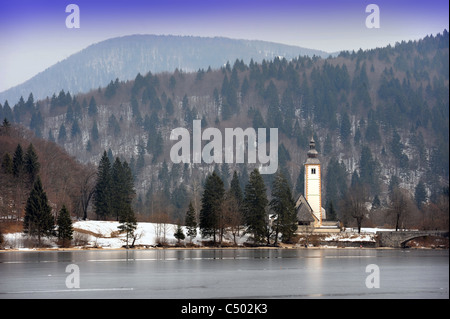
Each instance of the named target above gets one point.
<point>399,206</point>
<point>354,204</point>
<point>161,221</point>
<point>231,216</point>
<point>87,187</point>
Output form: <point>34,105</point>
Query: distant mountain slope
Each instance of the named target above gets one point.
<point>124,57</point>
<point>380,118</point>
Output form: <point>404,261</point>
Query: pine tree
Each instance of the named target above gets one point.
<point>191,223</point>
<point>94,132</point>
<point>117,188</point>
<point>331,211</point>
<point>92,110</point>
<point>283,205</point>
<point>31,163</point>
<point>38,220</point>
<point>62,134</point>
<point>420,194</point>
<point>128,223</point>
<point>345,129</point>
<point>179,235</point>
<point>65,228</point>
<point>102,192</point>
<point>211,206</point>
<point>235,188</point>
<point>300,183</point>
<point>368,170</point>
<point>18,161</point>
<point>7,164</point>
<point>255,205</point>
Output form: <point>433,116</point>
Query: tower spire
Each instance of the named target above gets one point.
<point>312,153</point>
<point>313,185</point>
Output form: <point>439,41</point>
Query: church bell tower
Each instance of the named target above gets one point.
<point>313,182</point>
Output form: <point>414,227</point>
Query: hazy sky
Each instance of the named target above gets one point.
<point>34,36</point>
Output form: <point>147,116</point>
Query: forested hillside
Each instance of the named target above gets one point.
<point>380,118</point>
<point>124,57</point>
<point>24,158</point>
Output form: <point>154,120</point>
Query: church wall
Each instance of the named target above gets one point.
<point>313,188</point>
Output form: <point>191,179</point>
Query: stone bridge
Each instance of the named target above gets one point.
<point>397,239</point>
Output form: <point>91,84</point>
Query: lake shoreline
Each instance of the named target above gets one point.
<point>211,248</point>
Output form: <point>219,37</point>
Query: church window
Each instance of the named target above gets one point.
<point>313,171</point>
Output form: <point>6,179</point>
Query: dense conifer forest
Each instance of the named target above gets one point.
<point>380,119</point>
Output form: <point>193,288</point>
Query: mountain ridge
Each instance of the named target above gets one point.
<point>124,57</point>
<point>379,117</point>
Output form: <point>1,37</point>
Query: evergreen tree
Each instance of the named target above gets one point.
<point>62,134</point>
<point>94,132</point>
<point>179,235</point>
<point>92,110</point>
<point>122,188</point>
<point>31,163</point>
<point>190,222</point>
<point>336,181</point>
<point>235,188</point>
<point>51,138</point>
<point>225,174</point>
<point>7,164</point>
<point>331,211</point>
<point>65,228</point>
<point>327,146</point>
<point>283,205</point>
<point>274,115</point>
<point>210,212</point>
<point>118,200</point>
<point>6,124</point>
<point>128,223</point>
<point>170,107</point>
<point>255,206</point>
<point>345,129</point>
<point>368,170</point>
<point>38,220</point>
<point>7,113</point>
<point>102,191</point>
<point>75,129</point>
<point>18,161</point>
<point>394,183</point>
<point>420,194</point>
<point>355,179</point>
<point>300,183</point>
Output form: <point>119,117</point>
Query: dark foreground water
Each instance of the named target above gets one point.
<point>228,273</point>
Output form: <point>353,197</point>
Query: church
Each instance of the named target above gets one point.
<point>310,213</point>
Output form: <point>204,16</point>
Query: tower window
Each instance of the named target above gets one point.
<point>313,171</point>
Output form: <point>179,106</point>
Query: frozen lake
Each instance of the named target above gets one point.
<point>225,273</point>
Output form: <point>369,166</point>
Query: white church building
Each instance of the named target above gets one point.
<point>309,204</point>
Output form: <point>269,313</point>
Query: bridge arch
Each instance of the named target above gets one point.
<point>397,239</point>
<point>439,235</point>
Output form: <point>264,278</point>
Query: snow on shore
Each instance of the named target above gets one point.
<point>105,234</point>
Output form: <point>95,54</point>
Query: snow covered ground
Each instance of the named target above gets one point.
<point>105,234</point>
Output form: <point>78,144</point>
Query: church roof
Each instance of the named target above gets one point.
<point>311,160</point>
<point>312,153</point>
<point>304,210</point>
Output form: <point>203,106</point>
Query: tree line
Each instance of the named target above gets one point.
<point>244,211</point>
<point>23,170</point>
